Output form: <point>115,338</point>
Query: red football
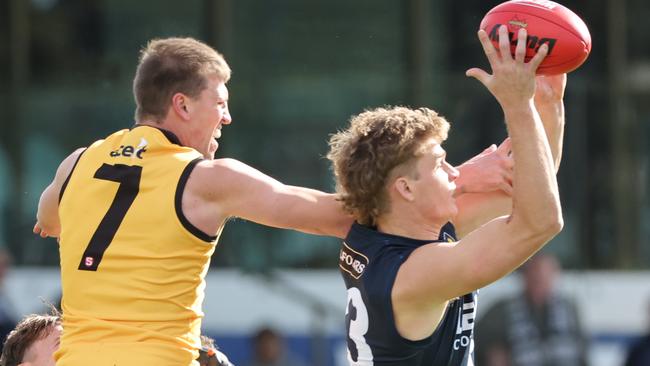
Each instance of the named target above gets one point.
<point>548,22</point>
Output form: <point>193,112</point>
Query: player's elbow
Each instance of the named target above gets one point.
<point>557,225</point>
<point>542,226</point>
<point>553,221</point>
<point>547,227</point>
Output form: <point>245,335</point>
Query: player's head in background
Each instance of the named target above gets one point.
<point>540,274</point>
<point>268,346</point>
<point>210,355</point>
<point>33,341</point>
<point>389,162</point>
<point>180,85</point>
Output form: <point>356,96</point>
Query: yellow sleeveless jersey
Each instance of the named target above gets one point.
<point>132,266</point>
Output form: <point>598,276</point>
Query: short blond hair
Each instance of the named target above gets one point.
<point>173,65</point>
<point>376,143</point>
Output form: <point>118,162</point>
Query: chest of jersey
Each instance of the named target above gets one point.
<point>369,262</point>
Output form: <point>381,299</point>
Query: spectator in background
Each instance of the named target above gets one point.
<point>639,354</point>
<point>209,354</point>
<point>36,338</point>
<point>7,312</point>
<point>269,350</point>
<point>33,342</point>
<point>538,327</point>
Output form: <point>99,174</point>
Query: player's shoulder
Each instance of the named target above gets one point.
<point>220,168</point>
<point>216,177</point>
<point>74,155</point>
<point>66,166</point>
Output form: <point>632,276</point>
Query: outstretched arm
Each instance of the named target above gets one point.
<point>234,189</point>
<point>47,217</point>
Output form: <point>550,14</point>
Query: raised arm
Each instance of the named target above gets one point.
<point>549,101</point>
<point>498,247</point>
<point>47,216</point>
<point>234,189</point>
<point>480,205</point>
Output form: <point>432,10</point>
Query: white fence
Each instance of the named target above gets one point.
<point>612,304</point>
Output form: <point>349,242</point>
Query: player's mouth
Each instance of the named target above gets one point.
<point>455,191</point>
<point>217,132</point>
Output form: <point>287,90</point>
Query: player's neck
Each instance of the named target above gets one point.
<point>184,135</point>
<point>409,226</point>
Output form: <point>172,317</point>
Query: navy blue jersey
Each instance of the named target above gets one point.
<point>369,261</point>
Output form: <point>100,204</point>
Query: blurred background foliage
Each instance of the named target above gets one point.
<point>300,70</point>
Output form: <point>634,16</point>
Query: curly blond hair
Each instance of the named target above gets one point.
<point>377,145</point>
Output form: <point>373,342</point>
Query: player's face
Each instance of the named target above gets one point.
<point>211,109</point>
<point>41,352</point>
<point>435,185</point>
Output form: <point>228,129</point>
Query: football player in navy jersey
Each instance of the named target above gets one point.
<point>412,284</point>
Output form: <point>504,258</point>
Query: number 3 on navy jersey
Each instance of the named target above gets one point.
<point>356,319</point>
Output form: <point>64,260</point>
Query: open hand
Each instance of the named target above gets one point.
<point>488,171</point>
<point>38,230</point>
<point>512,81</point>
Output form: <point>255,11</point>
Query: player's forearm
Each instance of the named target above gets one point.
<point>552,115</point>
<point>314,212</point>
<point>535,193</point>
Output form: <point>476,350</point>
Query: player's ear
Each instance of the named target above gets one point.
<point>180,106</point>
<point>403,188</point>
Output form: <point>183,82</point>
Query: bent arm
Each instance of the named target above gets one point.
<point>498,247</point>
<point>47,216</point>
<point>475,209</point>
<point>238,190</point>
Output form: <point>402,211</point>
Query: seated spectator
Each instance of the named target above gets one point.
<point>538,327</point>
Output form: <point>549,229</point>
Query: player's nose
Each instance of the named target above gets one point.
<point>452,172</point>
<point>226,119</point>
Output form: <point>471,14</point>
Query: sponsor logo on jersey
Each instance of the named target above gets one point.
<point>131,151</point>
<point>465,326</point>
<point>89,261</point>
<point>352,261</point>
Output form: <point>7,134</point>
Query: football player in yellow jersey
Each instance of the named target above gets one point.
<point>138,213</point>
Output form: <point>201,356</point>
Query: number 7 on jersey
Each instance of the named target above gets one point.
<point>129,179</point>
